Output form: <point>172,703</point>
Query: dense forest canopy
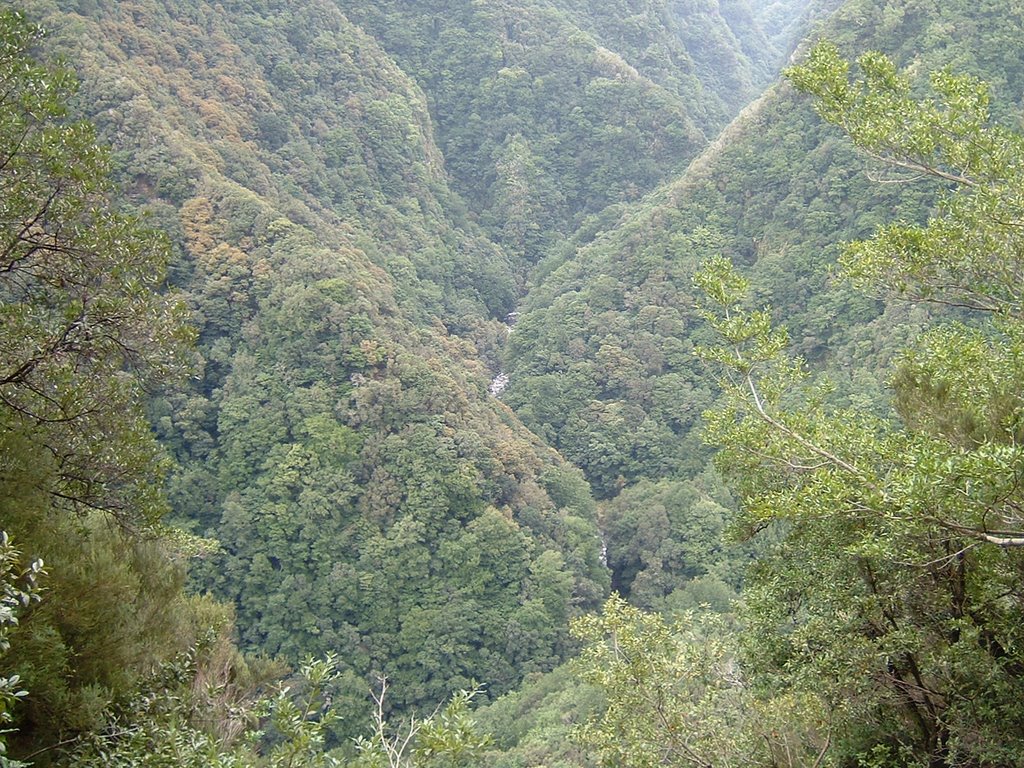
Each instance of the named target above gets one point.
<point>510,382</point>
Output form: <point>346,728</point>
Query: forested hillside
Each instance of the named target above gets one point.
<point>338,430</point>
<point>602,360</point>
<point>461,301</point>
<point>338,442</point>
<point>550,111</point>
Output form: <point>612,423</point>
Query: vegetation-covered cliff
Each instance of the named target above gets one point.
<point>337,440</point>
<point>354,198</point>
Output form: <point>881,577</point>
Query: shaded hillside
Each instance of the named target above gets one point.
<point>784,22</point>
<point>302,109</point>
<point>353,207</point>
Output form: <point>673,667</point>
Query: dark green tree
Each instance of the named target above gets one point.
<point>85,332</point>
<point>84,327</point>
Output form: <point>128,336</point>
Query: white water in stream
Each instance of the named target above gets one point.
<point>499,382</point>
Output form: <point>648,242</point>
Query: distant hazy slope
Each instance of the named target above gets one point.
<point>721,46</point>
<point>548,110</point>
<point>371,499</point>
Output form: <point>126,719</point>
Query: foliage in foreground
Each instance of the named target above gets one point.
<point>883,626</point>
<point>19,588</point>
<point>676,696</point>
<point>896,592</point>
<point>177,723</point>
<point>85,333</point>
<point>902,621</point>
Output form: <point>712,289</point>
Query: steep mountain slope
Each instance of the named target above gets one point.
<point>602,363</point>
<point>338,440</point>
<point>548,111</point>
<point>353,215</point>
<point>370,497</point>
